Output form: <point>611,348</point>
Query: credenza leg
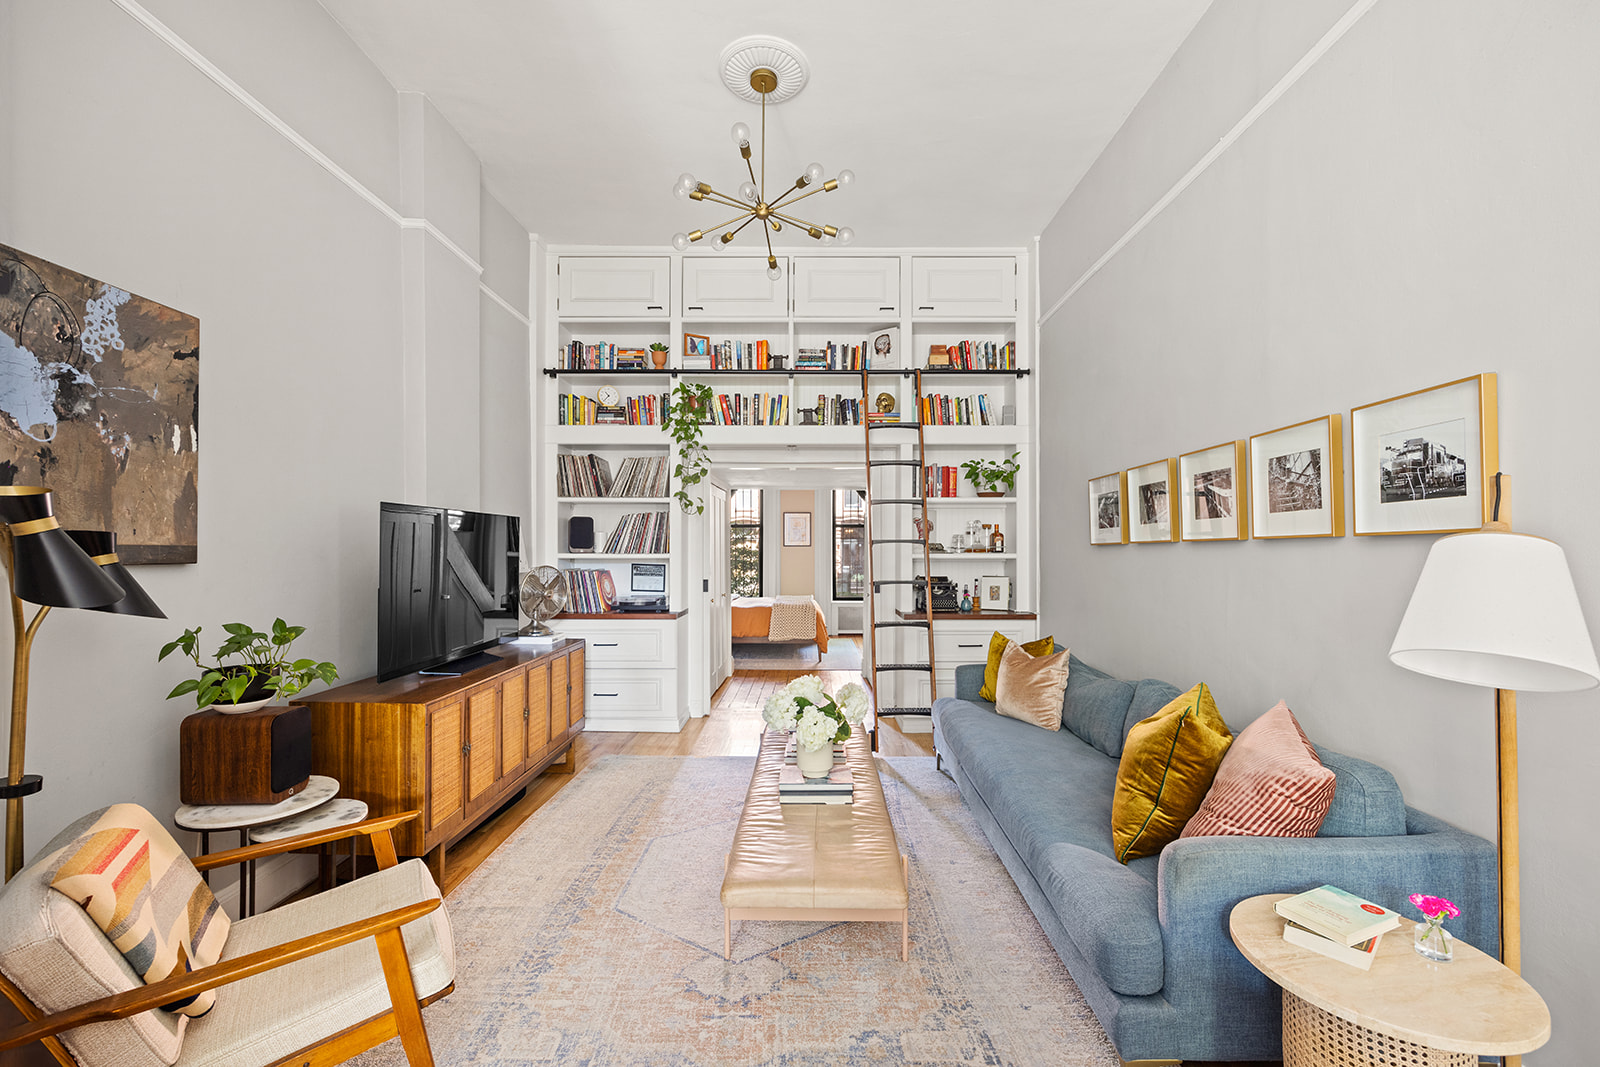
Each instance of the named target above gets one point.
<point>569,766</point>
<point>435,862</point>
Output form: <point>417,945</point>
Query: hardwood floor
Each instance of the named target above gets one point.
<point>732,729</point>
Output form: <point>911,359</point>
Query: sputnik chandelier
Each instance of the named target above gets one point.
<point>762,69</point>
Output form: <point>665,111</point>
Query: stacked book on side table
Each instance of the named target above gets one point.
<point>793,788</point>
<point>1338,924</point>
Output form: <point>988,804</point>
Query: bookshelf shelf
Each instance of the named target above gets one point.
<point>661,500</point>
<point>971,501</point>
<point>613,555</point>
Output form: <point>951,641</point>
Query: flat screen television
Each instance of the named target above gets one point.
<point>447,587</point>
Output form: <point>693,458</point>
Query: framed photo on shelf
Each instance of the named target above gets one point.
<point>1297,480</point>
<point>1423,460</point>
<point>696,345</point>
<point>995,592</point>
<point>1149,502</point>
<point>796,529</point>
<point>1108,509</point>
<point>1213,481</point>
<point>647,578</point>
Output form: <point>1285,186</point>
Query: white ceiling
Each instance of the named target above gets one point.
<point>966,123</point>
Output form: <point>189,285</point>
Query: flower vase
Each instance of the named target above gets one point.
<point>1432,940</point>
<point>814,763</point>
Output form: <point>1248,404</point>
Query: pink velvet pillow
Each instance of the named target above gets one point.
<point>1270,784</point>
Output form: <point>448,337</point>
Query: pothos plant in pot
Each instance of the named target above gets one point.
<point>992,478</point>
<point>686,419</point>
<point>263,672</point>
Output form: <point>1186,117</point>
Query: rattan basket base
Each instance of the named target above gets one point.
<point>1314,1038</point>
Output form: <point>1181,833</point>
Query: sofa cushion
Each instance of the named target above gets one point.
<point>1030,686</point>
<point>1096,705</point>
<point>997,647</point>
<point>1270,784</point>
<point>1366,799</point>
<point>1109,912</point>
<point>1150,695</point>
<point>1166,768</point>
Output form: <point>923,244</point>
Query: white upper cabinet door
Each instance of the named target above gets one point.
<point>733,288</point>
<point>962,285</point>
<point>846,287</point>
<point>613,286</point>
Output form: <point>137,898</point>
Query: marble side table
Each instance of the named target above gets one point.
<point>1405,1010</point>
<point>206,819</point>
<point>340,811</point>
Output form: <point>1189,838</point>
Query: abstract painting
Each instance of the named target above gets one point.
<point>100,401</point>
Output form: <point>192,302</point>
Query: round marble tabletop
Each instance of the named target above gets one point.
<point>341,811</point>
<point>1473,1004</point>
<point>206,817</point>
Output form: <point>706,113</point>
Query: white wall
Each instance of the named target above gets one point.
<point>138,169</point>
<point>1417,208</point>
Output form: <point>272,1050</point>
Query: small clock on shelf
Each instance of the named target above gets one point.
<point>608,396</point>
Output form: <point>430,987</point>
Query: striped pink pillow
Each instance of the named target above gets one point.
<point>1270,784</point>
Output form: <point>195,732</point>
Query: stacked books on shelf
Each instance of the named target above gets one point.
<point>641,476</point>
<point>942,481</point>
<point>883,416</point>
<point>592,590</point>
<point>979,355</point>
<point>580,475</point>
<point>1337,924</point>
<point>641,531</point>
<point>832,355</point>
<point>752,409</point>
<point>601,355</point>
<point>837,788</point>
<point>739,355</point>
<point>573,409</point>
<point>939,409</point>
<point>840,411</point>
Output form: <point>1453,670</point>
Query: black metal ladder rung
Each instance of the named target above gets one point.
<point>893,426</point>
<point>921,624</point>
<point>879,583</point>
<point>896,541</point>
<point>914,501</point>
<point>905,666</point>
<point>894,463</point>
<point>889,713</point>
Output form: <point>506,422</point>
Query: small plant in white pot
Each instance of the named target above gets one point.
<point>817,720</point>
<point>265,671</point>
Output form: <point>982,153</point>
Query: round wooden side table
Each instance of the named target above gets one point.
<point>1406,1011</point>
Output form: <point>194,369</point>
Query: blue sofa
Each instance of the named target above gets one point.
<point>1148,943</point>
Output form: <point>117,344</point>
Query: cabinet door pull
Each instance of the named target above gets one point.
<point>925,307</point>
<point>654,307</point>
<point>466,748</point>
<point>889,308</point>
<point>697,307</point>
<point>604,694</point>
<point>525,713</point>
<point>970,646</point>
<point>605,644</point>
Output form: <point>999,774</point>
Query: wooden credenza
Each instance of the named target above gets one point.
<point>453,748</point>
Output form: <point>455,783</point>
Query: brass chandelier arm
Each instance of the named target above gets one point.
<point>712,229</point>
<point>743,224</point>
<point>751,168</point>
<point>801,223</point>
<point>722,198</point>
<point>824,187</point>
<point>798,184</point>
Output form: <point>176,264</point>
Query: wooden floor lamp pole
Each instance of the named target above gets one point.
<point>1505,752</point>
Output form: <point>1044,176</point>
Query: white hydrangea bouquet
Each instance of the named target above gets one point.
<point>816,719</point>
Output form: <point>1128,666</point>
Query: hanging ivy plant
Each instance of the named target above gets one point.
<point>686,418</point>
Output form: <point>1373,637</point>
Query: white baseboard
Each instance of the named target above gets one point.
<point>667,723</point>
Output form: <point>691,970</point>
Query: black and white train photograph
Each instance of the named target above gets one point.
<point>1213,494</point>
<point>1424,463</point>
<point>1294,481</point>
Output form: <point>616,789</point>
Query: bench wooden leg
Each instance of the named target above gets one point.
<point>727,923</point>
<point>905,916</point>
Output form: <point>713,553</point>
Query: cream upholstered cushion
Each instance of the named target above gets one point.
<point>1030,687</point>
<point>280,1011</point>
<point>57,956</point>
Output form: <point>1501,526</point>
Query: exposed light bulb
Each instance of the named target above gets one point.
<point>740,134</point>
<point>748,191</point>
<point>774,273</point>
<point>719,244</point>
<point>680,191</point>
<point>846,177</point>
<point>814,173</point>
<point>687,181</point>
<point>827,238</point>
<point>680,241</point>
<point>846,235</point>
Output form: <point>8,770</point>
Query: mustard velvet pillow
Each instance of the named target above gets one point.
<point>1030,687</point>
<point>997,647</point>
<point>1167,767</point>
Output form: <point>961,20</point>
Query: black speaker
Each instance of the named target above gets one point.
<point>580,534</point>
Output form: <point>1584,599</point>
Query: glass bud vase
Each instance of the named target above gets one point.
<point>1432,940</point>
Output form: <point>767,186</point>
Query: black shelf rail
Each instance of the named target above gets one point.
<point>650,372</point>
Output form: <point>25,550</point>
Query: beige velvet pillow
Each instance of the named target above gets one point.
<point>1030,688</point>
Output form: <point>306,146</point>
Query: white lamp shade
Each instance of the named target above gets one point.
<point>1498,609</point>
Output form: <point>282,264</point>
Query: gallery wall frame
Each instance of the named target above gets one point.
<point>1213,482</point>
<point>1297,480</point>
<point>1149,498</point>
<point>1422,461</point>
<point>1108,509</point>
<point>796,529</point>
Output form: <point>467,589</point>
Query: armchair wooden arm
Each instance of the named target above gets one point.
<point>377,828</point>
<point>385,927</point>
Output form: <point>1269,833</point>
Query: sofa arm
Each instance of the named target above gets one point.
<point>969,679</point>
<point>1200,879</point>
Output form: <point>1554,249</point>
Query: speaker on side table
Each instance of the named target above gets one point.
<point>259,757</point>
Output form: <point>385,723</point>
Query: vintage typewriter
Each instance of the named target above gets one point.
<point>945,595</point>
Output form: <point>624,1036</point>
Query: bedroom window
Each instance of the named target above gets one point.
<point>849,544</point>
<point>744,543</point>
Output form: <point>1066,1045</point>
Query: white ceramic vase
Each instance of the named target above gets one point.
<point>815,764</point>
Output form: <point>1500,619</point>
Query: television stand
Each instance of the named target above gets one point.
<point>465,665</point>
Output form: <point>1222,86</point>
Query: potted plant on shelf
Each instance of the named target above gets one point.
<point>992,478</point>
<point>264,671</point>
<point>686,419</point>
<point>658,354</point>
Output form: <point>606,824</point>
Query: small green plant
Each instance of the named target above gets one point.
<point>263,656</point>
<point>987,476</point>
<point>657,346</point>
<point>686,418</point>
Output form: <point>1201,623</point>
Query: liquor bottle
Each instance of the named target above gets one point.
<point>997,540</point>
<point>966,600</point>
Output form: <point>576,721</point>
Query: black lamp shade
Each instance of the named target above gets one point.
<point>47,567</point>
<point>101,548</point>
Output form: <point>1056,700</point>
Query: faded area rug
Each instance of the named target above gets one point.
<point>594,936</point>
<point>841,656</point>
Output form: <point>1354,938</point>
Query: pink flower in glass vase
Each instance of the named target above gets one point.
<point>1429,937</point>
<point>1435,908</point>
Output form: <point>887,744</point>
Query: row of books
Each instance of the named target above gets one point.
<point>641,476</point>
<point>573,409</point>
<point>840,411</point>
<point>753,409</point>
<point>1337,924</point>
<point>592,591</point>
<point>833,355</point>
<point>732,355</point>
<point>978,355</point>
<point>590,476</point>
<point>941,409</point>
<point>602,355</point>
<point>942,480</point>
<point>640,531</point>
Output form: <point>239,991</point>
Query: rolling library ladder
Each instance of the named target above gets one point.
<point>896,498</point>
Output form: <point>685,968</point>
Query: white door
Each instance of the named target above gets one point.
<point>720,603</point>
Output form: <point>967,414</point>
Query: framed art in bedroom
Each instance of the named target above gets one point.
<point>1422,460</point>
<point>1213,483</point>
<point>1149,503</point>
<point>1297,480</point>
<point>796,529</point>
<point>1108,509</point>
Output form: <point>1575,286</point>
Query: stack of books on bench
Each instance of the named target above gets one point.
<point>1337,924</point>
<point>837,788</point>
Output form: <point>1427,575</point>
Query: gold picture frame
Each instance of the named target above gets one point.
<point>1213,483</point>
<point>1108,509</point>
<point>1149,498</point>
<point>1297,480</point>
<point>695,344</point>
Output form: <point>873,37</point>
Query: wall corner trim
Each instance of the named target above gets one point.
<point>1284,84</point>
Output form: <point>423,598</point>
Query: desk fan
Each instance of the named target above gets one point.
<point>543,595</point>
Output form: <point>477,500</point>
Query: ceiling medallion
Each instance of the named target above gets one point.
<point>767,69</point>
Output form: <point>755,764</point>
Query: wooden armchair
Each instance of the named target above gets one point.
<point>313,982</point>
